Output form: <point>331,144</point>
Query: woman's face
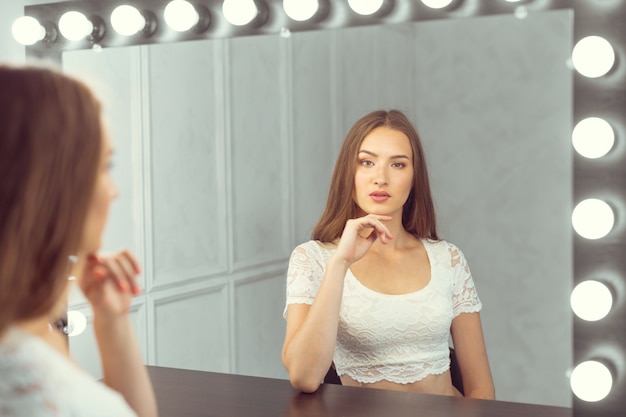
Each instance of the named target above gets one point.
<point>105,191</point>
<point>384,173</point>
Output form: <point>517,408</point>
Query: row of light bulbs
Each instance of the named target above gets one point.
<point>592,138</point>
<point>182,16</point>
<point>126,20</point>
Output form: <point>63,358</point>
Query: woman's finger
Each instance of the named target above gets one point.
<point>132,261</point>
<point>121,268</point>
<point>375,222</point>
<point>129,264</point>
<point>116,273</point>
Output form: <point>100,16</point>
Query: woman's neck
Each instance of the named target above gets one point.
<point>401,238</point>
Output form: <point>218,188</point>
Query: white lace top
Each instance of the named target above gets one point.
<point>398,338</point>
<point>37,381</point>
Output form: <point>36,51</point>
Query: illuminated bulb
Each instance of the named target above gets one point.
<point>301,10</point>
<point>520,12</point>
<point>239,12</point>
<point>365,7</point>
<point>180,15</point>
<point>591,381</point>
<point>591,300</point>
<point>593,218</point>
<point>75,26</point>
<point>593,56</point>
<point>76,323</point>
<point>436,4</point>
<point>27,30</point>
<point>127,20</point>
<point>593,137</point>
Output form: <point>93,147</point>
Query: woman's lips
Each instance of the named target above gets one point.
<point>379,196</point>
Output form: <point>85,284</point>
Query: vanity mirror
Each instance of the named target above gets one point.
<point>224,149</point>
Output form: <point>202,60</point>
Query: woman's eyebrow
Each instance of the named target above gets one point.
<point>401,156</point>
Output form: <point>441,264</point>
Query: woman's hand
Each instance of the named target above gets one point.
<point>360,234</point>
<point>109,282</point>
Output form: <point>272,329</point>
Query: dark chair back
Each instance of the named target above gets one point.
<point>332,377</point>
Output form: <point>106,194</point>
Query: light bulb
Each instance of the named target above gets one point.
<point>593,218</point>
<point>520,12</point>
<point>27,30</point>
<point>365,7</point>
<point>75,26</point>
<point>301,10</point>
<point>591,381</point>
<point>593,137</point>
<point>239,12</point>
<point>127,20</point>
<point>437,4</point>
<point>180,15</point>
<point>593,56</point>
<point>591,300</point>
<point>76,323</point>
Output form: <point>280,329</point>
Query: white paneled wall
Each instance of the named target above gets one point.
<point>192,331</point>
<point>259,166</point>
<point>189,163</point>
<point>225,151</point>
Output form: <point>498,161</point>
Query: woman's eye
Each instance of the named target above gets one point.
<point>398,165</point>
<point>366,163</point>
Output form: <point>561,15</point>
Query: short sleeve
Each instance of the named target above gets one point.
<point>464,297</point>
<point>304,275</point>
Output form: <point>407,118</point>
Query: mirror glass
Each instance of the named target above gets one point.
<point>224,151</point>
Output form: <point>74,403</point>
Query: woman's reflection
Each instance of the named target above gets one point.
<point>377,292</point>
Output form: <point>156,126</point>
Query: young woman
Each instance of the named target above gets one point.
<point>376,292</point>
<point>55,191</point>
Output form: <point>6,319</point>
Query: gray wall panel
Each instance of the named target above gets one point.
<point>192,330</point>
<point>258,144</point>
<point>188,196</point>
<point>259,335</point>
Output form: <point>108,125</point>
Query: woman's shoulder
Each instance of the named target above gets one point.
<point>316,248</point>
<point>29,375</point>
<point>443,249</point>
<point>439,244</point>
<point>27,361</point>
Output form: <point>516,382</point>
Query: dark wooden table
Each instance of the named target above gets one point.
<point>185,393</point>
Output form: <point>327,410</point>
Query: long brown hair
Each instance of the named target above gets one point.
<point>50,144</point>
<point>418,214</point>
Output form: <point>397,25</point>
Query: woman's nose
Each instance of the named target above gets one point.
<point>380,177</point>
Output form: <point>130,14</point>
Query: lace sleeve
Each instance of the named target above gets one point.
<point>464,298</point>
<point>304,275</point>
